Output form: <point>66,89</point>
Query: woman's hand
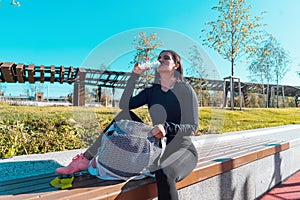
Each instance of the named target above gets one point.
<point>138,70</point>
<point>158,131</point>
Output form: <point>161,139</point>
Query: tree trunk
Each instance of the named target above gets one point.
<point>268,96</point>
<point>232,85</point>
<point>277,90</point>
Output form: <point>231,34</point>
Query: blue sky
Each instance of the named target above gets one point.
<point>58,32</point>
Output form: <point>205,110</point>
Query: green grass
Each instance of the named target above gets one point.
<point>247,119</point>
<point>27,130</point>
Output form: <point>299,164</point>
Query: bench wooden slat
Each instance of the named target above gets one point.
<point>212,153</point>
<point>16,181</point>
<point>221,167</point>
<point>223,146</point>
<point>270,151</point>
<point>26,186</point>
<point>218,147</point>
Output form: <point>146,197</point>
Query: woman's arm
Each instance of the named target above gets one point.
<point>127,102</point>
<point>189,113</point>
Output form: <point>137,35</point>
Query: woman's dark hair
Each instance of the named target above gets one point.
<point>179,71</point>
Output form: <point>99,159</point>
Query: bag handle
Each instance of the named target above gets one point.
<point>163,141</point>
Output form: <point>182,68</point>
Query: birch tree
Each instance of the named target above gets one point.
<point>269,63</point>
<point>234,33</point>
<point>198,74</point>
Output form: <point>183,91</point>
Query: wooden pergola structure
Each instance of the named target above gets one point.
<point>20,73</point>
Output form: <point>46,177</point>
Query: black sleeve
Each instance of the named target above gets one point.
<point>189,113</point>
<point>127,102</point>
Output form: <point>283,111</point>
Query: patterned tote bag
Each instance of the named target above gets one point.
<point>127,151</point>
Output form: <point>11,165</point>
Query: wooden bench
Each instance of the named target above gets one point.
<point>215,158</point>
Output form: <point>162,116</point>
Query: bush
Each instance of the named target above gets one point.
<point>30,130</point>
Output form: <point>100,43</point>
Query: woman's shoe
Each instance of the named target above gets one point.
<point>78,163</point>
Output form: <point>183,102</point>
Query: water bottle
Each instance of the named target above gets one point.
<point>146,64</point>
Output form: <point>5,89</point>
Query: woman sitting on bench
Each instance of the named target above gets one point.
<point>173,108</point>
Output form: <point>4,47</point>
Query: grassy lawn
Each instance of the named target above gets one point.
<point>26,130</point>
<point>251,118</point>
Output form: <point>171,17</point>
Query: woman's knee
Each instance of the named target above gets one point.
<point>167,174</point>
<point>127,115</point>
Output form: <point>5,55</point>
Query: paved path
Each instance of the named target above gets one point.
<point>288,190</point>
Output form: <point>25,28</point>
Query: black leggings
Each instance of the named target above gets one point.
<point>172,169</point>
